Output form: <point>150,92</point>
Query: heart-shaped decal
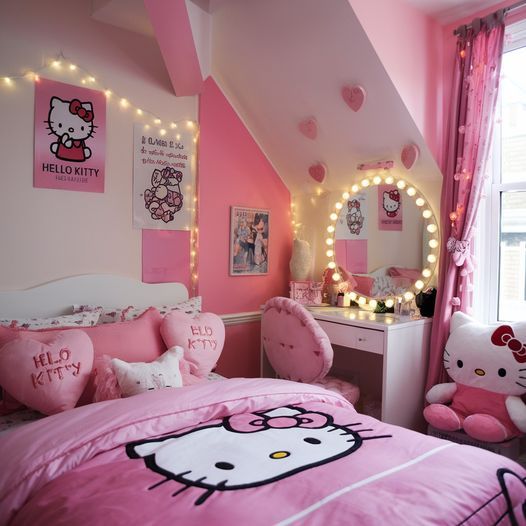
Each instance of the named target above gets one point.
<point>318,172</point>
<point>354,96</point>
<point>202,337</point>
<point>48,377</point>
<point>409,156</point>
<point>309,128</point>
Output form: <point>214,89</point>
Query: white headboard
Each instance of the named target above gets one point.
<point>57,297</point>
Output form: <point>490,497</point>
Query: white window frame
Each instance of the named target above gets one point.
<point>487,294</point>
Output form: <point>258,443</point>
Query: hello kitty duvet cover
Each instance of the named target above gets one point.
<point>246,451</point>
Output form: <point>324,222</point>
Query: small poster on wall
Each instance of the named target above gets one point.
<point>70,137</point>
<point>249,241</point>
<point>389,208</point>
<point>163,183</point>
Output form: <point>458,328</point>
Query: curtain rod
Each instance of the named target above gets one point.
<point>512,7</point>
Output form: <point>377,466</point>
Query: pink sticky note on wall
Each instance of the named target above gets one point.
<point>351,255</point>
<point>166,256</point>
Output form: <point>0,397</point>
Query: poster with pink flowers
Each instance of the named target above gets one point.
<point>163,182</point>
<point>389,208</point>
<point>70,137</point>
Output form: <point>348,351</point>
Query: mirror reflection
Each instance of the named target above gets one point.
<point>381,240</point>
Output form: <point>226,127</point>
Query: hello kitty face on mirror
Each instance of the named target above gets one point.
<point>73,118</point>
<point>248,450</point>
<point>487,357</point>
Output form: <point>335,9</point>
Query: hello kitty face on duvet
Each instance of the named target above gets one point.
<point>248,450</point>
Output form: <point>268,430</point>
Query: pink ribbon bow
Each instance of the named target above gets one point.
<point>76,108</point>
<point>250,422</point>
<point>504,335</point>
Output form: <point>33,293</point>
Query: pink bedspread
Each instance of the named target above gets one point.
<point>241,452</point>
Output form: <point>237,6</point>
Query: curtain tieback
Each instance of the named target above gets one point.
<point>460,251</point>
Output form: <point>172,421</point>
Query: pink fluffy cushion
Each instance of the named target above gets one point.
<point>201,337</point>
<point>48,376</point>
<point>295,344</point>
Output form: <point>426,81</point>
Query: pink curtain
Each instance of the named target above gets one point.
<point>474,95</point>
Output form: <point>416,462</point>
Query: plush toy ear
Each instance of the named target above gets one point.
<point>458,319</point>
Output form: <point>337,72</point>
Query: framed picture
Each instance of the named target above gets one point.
<point>249,241</point>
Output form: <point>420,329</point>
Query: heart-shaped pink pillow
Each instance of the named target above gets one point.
<point>202,337</point>
<point>48,377</point>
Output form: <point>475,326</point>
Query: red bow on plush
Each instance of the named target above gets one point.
<point>250,422</point>
<point>503,335</point>
<point>394,195</point>
<point>75,108</point>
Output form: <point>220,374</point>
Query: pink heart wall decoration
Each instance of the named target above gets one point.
<point>354,96</point>
<point>409,155</point>
<point>318,172</point>
<point>309,128</point>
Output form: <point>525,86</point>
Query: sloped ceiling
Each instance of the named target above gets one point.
<point>281,62</point>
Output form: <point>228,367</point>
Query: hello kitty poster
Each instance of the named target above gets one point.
<point>70,137</point>
<point>390,210</point>
<point>163,183</point>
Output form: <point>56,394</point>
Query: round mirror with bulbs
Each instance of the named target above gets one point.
<point>382,241</point>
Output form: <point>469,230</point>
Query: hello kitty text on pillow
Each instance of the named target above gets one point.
<point>487,365</point>
<point>201,337</point>
<point>50,375</point>
<point>136,378</point>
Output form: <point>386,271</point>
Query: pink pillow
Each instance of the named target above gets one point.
<point>201,337</point>
<point>364,284</point>
<point>411,273</point>
<point>48,376</point>
<point>138,340</point>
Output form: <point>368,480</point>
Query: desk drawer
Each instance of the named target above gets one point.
<point>368,340</point>
<point>354,337</point>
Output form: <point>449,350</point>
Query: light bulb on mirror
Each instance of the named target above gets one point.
<point>329,253</point>
<point>336,276</point>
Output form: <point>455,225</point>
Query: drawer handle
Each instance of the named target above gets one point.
<point>362,339</point>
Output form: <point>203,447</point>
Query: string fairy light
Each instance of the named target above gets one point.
<point>61,65</point>
<point>431,226</point>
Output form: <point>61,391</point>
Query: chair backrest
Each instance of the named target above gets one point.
<point>296,346</point>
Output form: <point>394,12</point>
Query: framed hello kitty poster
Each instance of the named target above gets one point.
<point>70,137</point>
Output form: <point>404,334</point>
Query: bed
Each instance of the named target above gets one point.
<point>235,451</point>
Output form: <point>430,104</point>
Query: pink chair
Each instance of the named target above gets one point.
<point>298,348</point>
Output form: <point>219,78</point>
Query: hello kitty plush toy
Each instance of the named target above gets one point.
<point>487,365</point>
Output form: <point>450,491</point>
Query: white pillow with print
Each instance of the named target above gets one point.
<point>79,319</point>
<point>136,378</point>
<point>191,306</point>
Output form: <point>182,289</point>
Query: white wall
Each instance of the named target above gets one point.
<point>47,234</point>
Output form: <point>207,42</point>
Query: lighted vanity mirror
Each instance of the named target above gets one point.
<point>385,235</point>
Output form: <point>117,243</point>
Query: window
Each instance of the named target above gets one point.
<point>502,227</point>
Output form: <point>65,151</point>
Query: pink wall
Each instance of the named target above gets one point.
<point>409,45</point>
<point>234,171</point>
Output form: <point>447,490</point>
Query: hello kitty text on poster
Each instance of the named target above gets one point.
<point>70,137</point>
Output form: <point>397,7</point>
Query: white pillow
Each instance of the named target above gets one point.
<point>79,319</point>
<point>191,307</point>
<point>136,378</point>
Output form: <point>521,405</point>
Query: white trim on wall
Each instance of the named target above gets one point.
<point>237,318</point>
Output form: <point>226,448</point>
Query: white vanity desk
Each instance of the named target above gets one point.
<point>397,346</point>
